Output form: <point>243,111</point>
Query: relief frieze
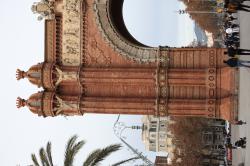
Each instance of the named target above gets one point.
<point>71,47</point>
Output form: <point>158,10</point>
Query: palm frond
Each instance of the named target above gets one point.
<point>34,159</point>
<point>71,142</point>
<point>105,153</point>
<point>49,156</point>
<point>43,157</point>
<point>78,146</point>
<point>68,153</point>
<point>125,161</point>
<point>72,148</point>
<point>92,156</point>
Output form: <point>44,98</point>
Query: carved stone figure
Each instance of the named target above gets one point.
<point>65,76</point>
<point>64,105</point>
<point>45,8</point>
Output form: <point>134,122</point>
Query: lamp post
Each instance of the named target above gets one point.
<point>118,129</point>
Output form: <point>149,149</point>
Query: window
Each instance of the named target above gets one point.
<point>152,135</point>
<point>162,146</point>
<point>152,130</point>
<point>162,136</point>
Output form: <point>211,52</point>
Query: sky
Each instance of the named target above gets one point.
<point>22,45</point>
<point>156,22</point>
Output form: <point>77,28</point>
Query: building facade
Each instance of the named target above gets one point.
<point>155,134</point>
<point>93,65</point>
<point>156,137</point>
<point>214,140</point>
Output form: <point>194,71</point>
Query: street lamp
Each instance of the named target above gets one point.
<point>118,129</point>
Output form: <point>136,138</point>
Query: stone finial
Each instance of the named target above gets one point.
<point>20,74</point>
<point>20,102</point>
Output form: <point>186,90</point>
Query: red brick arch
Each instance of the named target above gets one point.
<point>85,70</point>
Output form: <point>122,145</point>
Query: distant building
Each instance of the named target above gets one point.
<point>156,136</point>
<point>201,36</point>
<point>213,140</point>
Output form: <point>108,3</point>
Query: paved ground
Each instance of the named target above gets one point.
<point>243,156</point>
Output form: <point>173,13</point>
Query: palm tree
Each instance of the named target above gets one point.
<point>72,148</point>
<point>100,154</point>
<point>125,161</point>
<point>45,156</point>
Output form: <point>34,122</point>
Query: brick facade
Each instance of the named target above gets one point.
<point>96,67</point>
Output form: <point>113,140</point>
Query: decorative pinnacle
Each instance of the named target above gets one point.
<point>20,74</point>
<point>20,102</point>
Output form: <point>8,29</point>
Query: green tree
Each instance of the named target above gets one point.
<point>72,148</point>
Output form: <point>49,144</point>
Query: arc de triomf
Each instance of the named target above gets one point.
<point>93,65</point>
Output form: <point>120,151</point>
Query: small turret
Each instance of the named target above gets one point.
<point>40,103</point>
<point>33,74</point>
<point>34,103</point>
<point>39,74</point>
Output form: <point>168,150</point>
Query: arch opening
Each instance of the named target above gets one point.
<point>116,15</point>
<point>157,22</point>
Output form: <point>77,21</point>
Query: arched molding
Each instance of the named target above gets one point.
<point>122,42</point>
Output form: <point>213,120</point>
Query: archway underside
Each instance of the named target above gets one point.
<point>110,22</point>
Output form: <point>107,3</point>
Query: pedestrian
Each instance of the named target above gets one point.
<point>230,17</point>
<point>241,1</point>
<point>233,7</point>
<point>234,25</point>
<point>235,34</point>
<point>230,146</point>
<point>226,2</point>
<point>233,38</point>
<point>232,30</point>
<point>235,62</point>
<point>232,51</point>
<point>240,122</point>
<point>230,42</point>
<point>241,143</point>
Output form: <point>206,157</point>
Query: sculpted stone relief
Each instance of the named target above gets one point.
<point>71,49</point>
<point>66,76</point>
<point>45,8</point>
<point>64,106</point>
<point>71,41</point>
